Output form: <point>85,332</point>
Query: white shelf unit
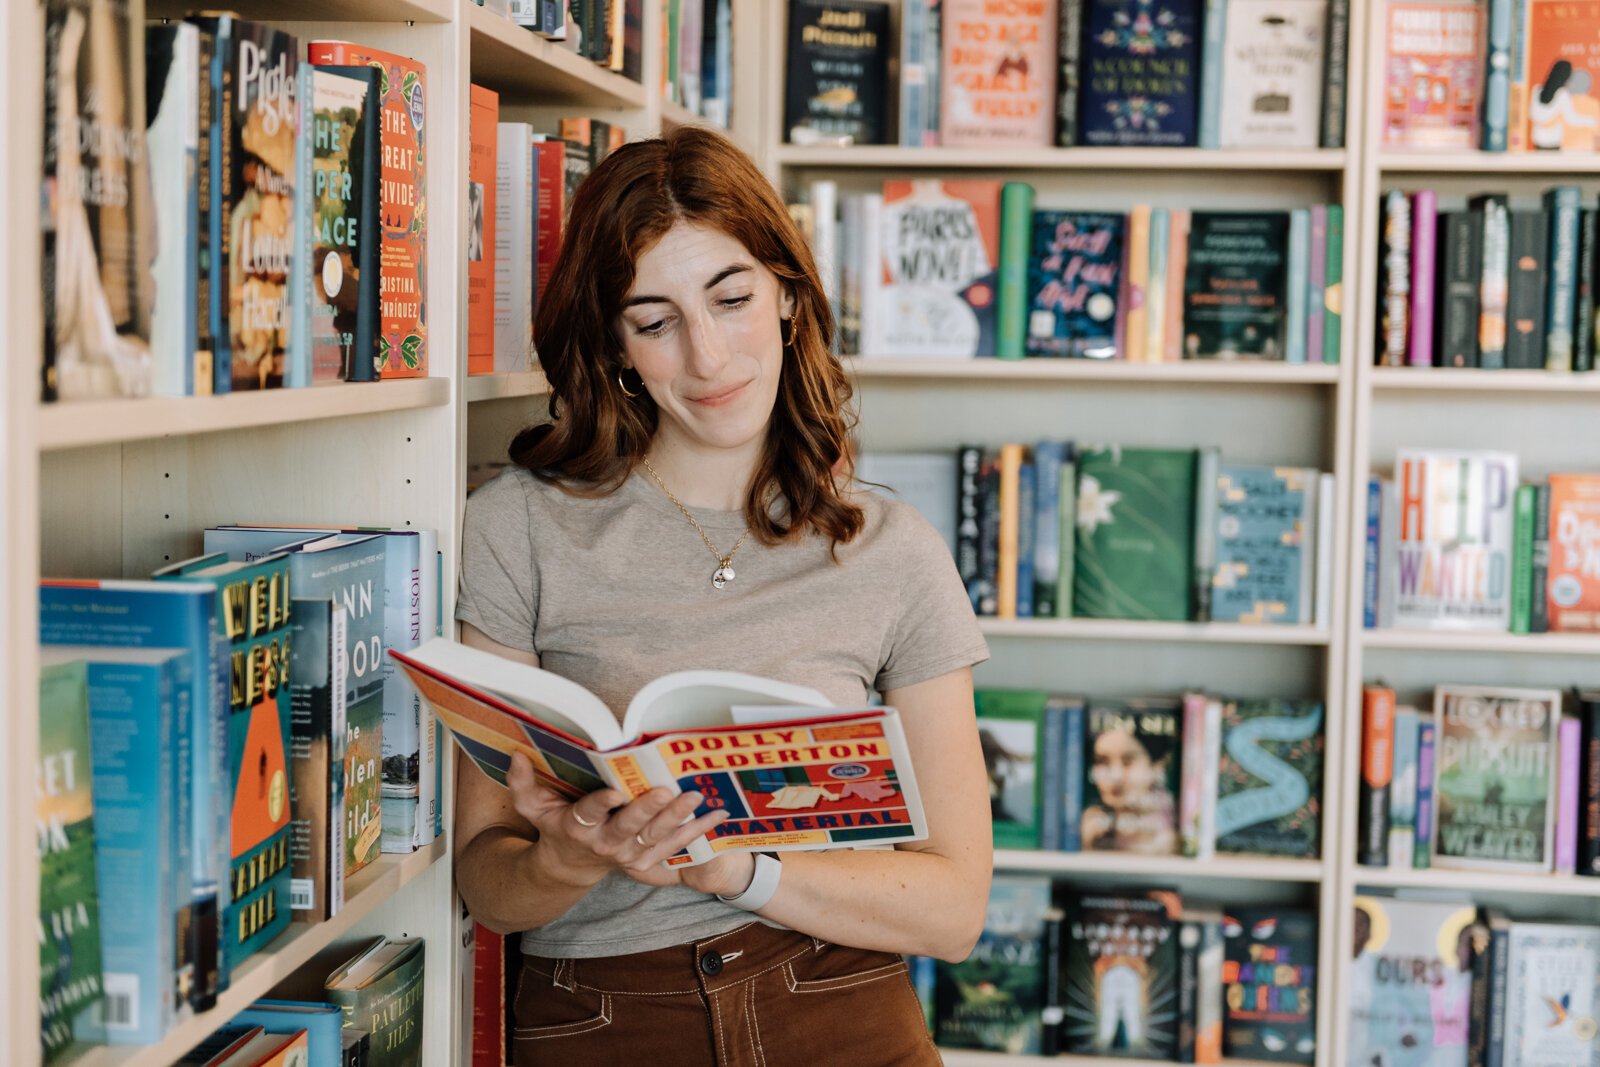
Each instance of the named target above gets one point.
<point>1542,416</point>
<point>1256,412</point>
<point>968,1058</point>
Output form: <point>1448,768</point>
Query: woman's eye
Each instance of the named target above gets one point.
<point>654,329</point>
<point>734,303</point>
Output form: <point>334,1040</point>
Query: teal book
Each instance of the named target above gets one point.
<point>323,1024</point>
<point>1298,291</point>
<point>1132,763</point>
<point>380,991</point>
<point>992,1000</point>
<point>1269,781</point>
<point>1263,566</point>
<point>1016,225</point>
<point>1135,534</point>
<point>69,900</point>
<point>1009,727</point>
<point>253,612</point>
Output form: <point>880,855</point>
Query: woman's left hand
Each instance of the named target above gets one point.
<point>728,874</point>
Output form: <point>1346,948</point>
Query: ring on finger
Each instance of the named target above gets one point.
<point>639,837</point>
<point>580,820</point>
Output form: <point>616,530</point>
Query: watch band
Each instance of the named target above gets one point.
<point>763,884</point>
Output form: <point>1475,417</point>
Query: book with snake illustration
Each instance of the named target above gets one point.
<point>793,771</point>
<point>1269,782</point>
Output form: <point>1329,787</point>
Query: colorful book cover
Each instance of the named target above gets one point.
<point>1563,75</point>
<point>836,89</point>
<point>992,999</point>
<point>1074,278</point>
<point>1403,789</point>
<point>941,255</point>
<point>1454,542</point>
<point>1120,974</point>
<point>96,195</point>
<point>1574,576</point>
<point>323,1025</point>
<point>1269,782</point>
<point>318,668</point>
<point>69,902</point>
<point>483,136</point>
<point>1262,544</point>
<point>342,183</point>
<point>1009,723</point>
<point>1552,995</point>
<point>1433,70</point>
<point>1316,285</point>
<point>1269,981</point>
<point>1236,285</point>
<point>388,1004</point>
<point>997,74</point>
<point>1141,69</point>
<point>1131,781</point>
<point>1135,534</point>
<point>1494,278</point>
<point>1133,328</point>
<point>1273,65</point>
<point>403,206</point>
<point>1495,777</point>
<point>1410,985</point>
<point>172,103</point>
<point>1394,279</point>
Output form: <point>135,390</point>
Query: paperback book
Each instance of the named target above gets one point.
<point>1140,72</point>
<point>1132,777</point>
<point>1411,981</point>
<point>1269,981</point>
<point>1074,277</point>
<point>1009,730</point>
<point>1269,784</point>
<point>343,287</point>
<point>837,76</point>
<point>1552,996</point>
<point>941,255</point>
<point>992,999</point>
<point>1134,551</point>
<point>997,74</point>
<point>1453,540</point>
<point>1120,974</point>
<point>1273,62</point>
<point>1264,519</point>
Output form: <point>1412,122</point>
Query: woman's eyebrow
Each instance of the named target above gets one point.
<point>716,279</point>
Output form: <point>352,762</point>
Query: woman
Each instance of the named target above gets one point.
<point>690,506</point>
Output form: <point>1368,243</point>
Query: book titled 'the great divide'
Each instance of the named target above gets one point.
<point>1454,543</point>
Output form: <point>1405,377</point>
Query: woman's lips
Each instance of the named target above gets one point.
<point>718,399</point>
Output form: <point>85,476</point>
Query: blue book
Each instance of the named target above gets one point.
<point>1299,295</point>
<point>1027,507</point>
<point>1052,771</point>
<point>1562,204</point>
<point>1047,459</point>
<point>1074,283</point>
<point>1262,532</point>
<point>323,1024</point>
<point>138,704</point>
<point>1141,64</point>
<point>221,185</point>
<point>131,614</point>
<point>1211,62</point>
<point>1494,106</point>
<point>297,357</point>
<point>1369,563</point>
<point>1072,769</point>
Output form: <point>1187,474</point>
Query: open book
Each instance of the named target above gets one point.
<point>793,771</point>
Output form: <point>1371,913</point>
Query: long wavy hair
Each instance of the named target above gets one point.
<point>597,436</point>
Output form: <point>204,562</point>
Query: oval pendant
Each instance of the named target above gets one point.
<point>722,576</point>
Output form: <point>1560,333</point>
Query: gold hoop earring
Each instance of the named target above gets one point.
<point>624,388</point>
<point>794,328</point>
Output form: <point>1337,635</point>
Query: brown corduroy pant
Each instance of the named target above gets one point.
<point>752,997</point>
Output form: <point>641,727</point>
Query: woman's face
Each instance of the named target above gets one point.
<point>701,327</point>
<point>1122,769</point>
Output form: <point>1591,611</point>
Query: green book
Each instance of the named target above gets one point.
<point>1008,729</point>
<point>1069,538</point>
<point>1522,558</point>
<point>1333,293</point>
<point>1495,778</point>
<point>380,991</point>
<point>1269,782</point>
<point>69,908</point>
<point>1016,231</point>
<point>1135,534</point>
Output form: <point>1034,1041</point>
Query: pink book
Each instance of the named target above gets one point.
<point>1191,778</point>
<point>1424,229</point>
<point>997,74</point>
<point>1569,746</point>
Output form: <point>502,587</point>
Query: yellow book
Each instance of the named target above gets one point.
<point>1136,330</point>
<point>1010,528</point>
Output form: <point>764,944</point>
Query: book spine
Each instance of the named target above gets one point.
<point>1422,855</point>
<point>1205,533</point>
<point>1377,769</point>
<point>1583,321</point>
<point>1499,972</point>
<point>303,296</point>
<point>1424,231</point>
<point>1522,559</point>
<point>1210,771</point>
<point>1194,749</point>
<point>1388,553</point>
<point>1010,519</point>
<point>1299,269</point>
<point>1316,285</point>
<point>1457,305</point>
<point>1369,568</point>
<point>1493,279</point>
<point>1212,48</point>
<point>1053,1014</point>
<point>1137,278</point>
<point>1068,56</point>
<point>989,536</point>
<point>1526,331</point>
<point>1052,769</point>
<point>1069,538</point>
<point>1569,749</point>
<point>1046,528</point>
<point>1016,228</point>
<point>1517,82</point>
<point>1539,606</point>
<point>969,462</point>
<point>1562,205</point>
<point>825,209</point>
<point>1027,506</point>
<point>1492,118</point>
<point>935,53</point>
<point>1588,860</point>
<point>1333,296</point>
<point>1177,268</point>
<point>1188,989</point>
<point>1322,585</point>
<point>222,195</point>
<point>1396,272</point>
<point>199,378</point>
<point>913,74</point>
<point>1478,1004</point>
<point>1155,290</point>
<point>1072,772</point>
<point>1403,791</point>
<point>1335,74</point>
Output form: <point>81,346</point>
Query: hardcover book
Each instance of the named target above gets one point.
<point>1563,76</point>
<point>1411,982</point>
<point>941,255</point>
<point>1495,777</point>
<point>1074,281</point>
<point>402,342</point>
<point>1120,974</point>
<point>318,668</point>
<point>519,220</point>
<point>323,1025</point>
<point>1269,784</point>
<point>481,249</point>
<point>342,286</point>
<point>380,990</point>
<point>1009,725</point>
<point>1135,534</point>
<point>1269,981</point>
<point>1433,71</point>
<point>1273,65</point>
<point>1131,780</point>
<point>992,999</point>
<point>1552,995</point>
<point>1454,539</point>
<point>96,196</point>
<point>1234,293</point>
<point>172,84</point>
<point>1141,70</point>
<point>836,91</point>
<point>997,74</point>
<point>1574,577</point>
<point>1263,541</point>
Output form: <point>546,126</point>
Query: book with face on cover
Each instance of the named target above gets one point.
<point>793,771</point>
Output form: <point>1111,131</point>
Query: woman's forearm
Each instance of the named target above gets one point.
<point>507,885</point>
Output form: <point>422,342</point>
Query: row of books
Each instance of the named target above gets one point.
<point>961,268</point>
<point>1454,542</point>
<point>1128,973</point>
<point>1492,286</point>
<point>1501,75</point>
<point>609,32</point>
<point>1195,775</point>
<point>974,74</point>
<point>1058,530</point>
<point>276,187</point>
<point>1486,777</point>
<point>240,745</point>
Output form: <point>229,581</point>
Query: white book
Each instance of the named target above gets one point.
<point>516,179</point>
<point>1210,767</point>
<point>871,307</point>
<point>847,312</point>
<point>173,140</point>
<point>825,238</point>
<point>1454,538</point>
<point>1551,995</point>
<point>1325,548</point>
<point>925,480</point>
<point>1272,70</point>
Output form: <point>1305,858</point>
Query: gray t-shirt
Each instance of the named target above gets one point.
<point>615,591</point>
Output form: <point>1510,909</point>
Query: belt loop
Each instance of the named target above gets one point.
<point>817,944</point>
<point>564,974</point>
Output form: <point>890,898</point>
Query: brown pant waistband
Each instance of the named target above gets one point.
<point>703,966</point>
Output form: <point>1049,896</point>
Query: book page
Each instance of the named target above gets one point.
<point>688,700</point>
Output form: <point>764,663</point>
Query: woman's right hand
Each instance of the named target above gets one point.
<point>581,841</point>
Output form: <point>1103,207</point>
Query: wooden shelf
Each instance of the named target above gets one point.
<point>968,1058</point>
<point>319,10</point>
<point>1585,164</point>
<point>1221,868</point>
<point>514,61</point>
<point>366,891</point>
<point>1134,159</point>
<point>77,424</point>
<point>1221,633</point>
<point>506,386</point>
<point>1462,380</point>
<point>1189,371</point>
<point>1540,885</point>
<point>1477,642</point>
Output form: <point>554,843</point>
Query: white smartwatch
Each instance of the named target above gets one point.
<point>763,884</point>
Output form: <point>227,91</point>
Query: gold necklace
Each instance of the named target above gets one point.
<point>724,572</point>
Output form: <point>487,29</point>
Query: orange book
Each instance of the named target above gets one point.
<point>1177,266</point>
<point>998,74</point>
<point>484,120</point>
<point>1433,71</point>
<point>1010,529</point>
<point>1573,588</point>
<point>1377,770</point>
<point>402,200</point>
<point>1562,76</point>
<point>1136,324</point>
<point>552,205</point>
